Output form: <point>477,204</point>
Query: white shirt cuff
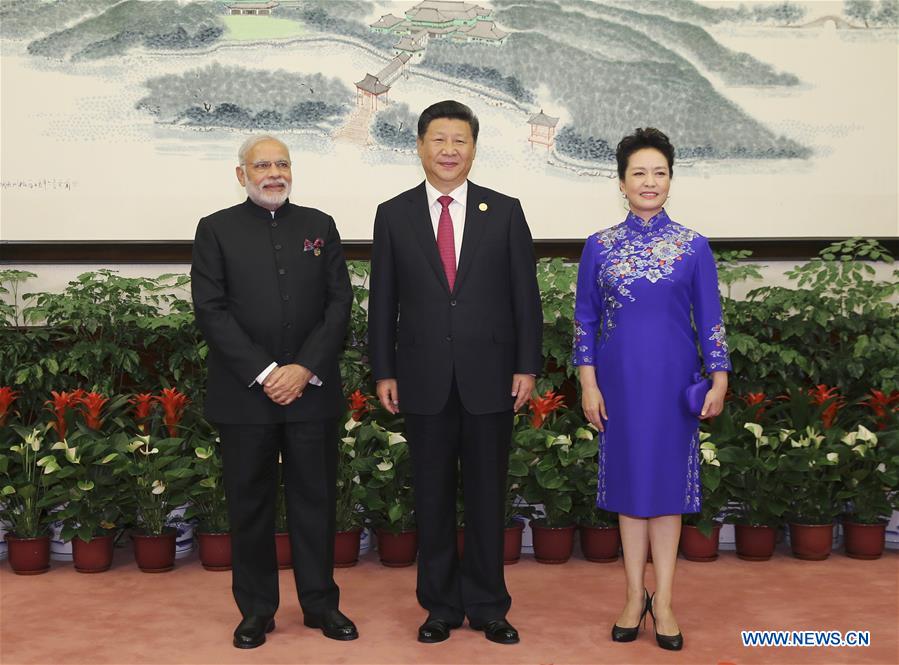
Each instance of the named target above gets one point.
<point>263,375</point>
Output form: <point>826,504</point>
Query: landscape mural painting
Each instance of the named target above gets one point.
<point>121,118</point>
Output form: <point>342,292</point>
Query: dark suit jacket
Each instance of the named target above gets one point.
<point>487,329</point>
<point>261,297</point>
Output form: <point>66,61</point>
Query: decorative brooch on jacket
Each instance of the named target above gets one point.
<point>314,246</point>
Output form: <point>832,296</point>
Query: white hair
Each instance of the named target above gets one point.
<point>254,140</point>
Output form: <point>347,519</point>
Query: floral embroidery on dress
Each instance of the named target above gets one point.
<point>693,492</point>
<point>601,478</point>
<point>651,255</point>
<point>719,358</point>
<point>580,349</point>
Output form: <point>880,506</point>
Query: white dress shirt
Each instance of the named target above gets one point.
<point>456,210</point>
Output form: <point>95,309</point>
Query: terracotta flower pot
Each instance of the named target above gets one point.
<point>155,554</point>
<point>600,543</point>
<point>346,548</point>
<point>215,550</point>
<point>755,542</point>
<point>282,547</point>
<point>512,543</point>
<point>29,556</point>
<point>864,541</point>
<point>697,547</point>
<point>553,544</point>
<point>811,542</point>
<point>397,549</point>
<point>94,556</point>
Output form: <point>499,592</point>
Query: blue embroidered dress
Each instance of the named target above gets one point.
<point>638,284</point>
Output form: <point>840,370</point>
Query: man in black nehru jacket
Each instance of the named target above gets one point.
<point>272,298</point>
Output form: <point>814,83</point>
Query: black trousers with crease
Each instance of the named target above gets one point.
<point>309,458</point>
<point>454,439</point>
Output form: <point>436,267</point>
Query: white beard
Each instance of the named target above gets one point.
<point>264,198</point>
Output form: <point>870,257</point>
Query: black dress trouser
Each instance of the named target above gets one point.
<point>450,589</point>
<point>250,460</point>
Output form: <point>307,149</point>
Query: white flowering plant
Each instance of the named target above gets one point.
<point>715,466</point>
<point>870,474</point>
<point>813,465</point>
<point>352,464</point>
<point>759,495</point>
<point>158,472</point>
<point>29,477</point>
<point>385,474</point>
<point>559,464</point>
<point>206,492</point>
<point>94,498</point>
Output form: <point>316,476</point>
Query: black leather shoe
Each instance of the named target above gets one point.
<point>620,634</point>
<point>434,630</point>
<point>669,642</point>
<point>333,624</point>
<point>250,633</point>
<point>499,631</point>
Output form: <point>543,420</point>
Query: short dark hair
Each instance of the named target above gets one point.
<point>449,108</point>
<point>648,137</point>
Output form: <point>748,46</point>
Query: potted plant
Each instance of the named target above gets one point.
<point>350,493</point>
<point>387,495</point>
<point>870,477</point>
<point>95,498</point>
<point>812,472</point>
<point>517,511</point>
<point>759,497</point>
<point>208,506</point>
<point>158,472</point>
<point>700,531</point>
<point>553,461</point>
<point>28,476</point>
<point>598,529</point>
<point>600,537</point>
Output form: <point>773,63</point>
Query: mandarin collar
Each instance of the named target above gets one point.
<point>264,213</point>
<point>640,225</point>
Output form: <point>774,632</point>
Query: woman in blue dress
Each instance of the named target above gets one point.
<point>647,291</point>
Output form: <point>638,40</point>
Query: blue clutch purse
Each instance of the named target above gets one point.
<point>696,392</point>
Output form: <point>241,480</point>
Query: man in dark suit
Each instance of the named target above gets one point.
<point>455,328</point>
<point>272,298</point>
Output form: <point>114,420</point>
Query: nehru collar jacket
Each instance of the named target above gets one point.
<point>270,288</point>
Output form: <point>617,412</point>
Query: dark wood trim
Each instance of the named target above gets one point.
<point>178,251</point>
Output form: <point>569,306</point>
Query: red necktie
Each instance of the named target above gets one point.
<point>446,243</point>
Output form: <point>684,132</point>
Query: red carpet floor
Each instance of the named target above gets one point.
<point>564,614</point>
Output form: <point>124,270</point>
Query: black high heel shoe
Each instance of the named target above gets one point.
<point>669,642</point>
<point>620,634</point>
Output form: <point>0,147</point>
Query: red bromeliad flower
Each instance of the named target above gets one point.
<point>173,403</point>
<point>59,405</point>
<point>7,397</point>
<point>821,394</point>
<point>760,399</point>
<point>358,405</point>
<point>143,405</point>
<point>92,407</point>
<point>543,406</point>
<point>879,402</point>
